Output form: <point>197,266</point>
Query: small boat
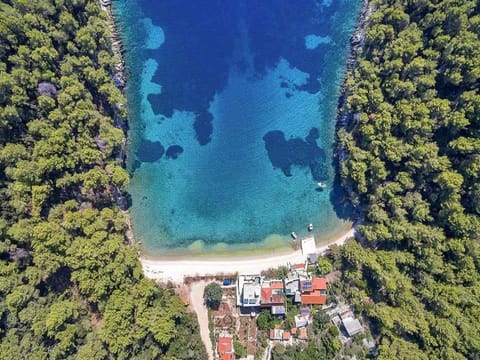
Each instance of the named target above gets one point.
<point>310,227</point>
<point>293,235</point>
<point>321,185</point>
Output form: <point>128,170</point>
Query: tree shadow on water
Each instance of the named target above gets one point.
<point>339,198</point>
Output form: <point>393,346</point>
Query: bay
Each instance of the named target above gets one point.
<point>232,109</point>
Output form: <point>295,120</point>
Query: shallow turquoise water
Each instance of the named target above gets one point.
<point>232,118</point>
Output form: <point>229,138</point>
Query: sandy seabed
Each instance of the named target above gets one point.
<point>176,270</point>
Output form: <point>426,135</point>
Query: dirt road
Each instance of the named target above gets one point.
<point>196,300</point>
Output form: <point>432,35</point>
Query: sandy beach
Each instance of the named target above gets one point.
<point>176,270</point>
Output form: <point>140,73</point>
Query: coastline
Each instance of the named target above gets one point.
<point>116,43</point>
<point>357,42</point>
<point>270,246</point>
<point>176,270</point>
<point>120,81</point>
<point>345,119</point>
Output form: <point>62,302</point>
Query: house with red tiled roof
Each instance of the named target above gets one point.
<point>225,348</point>
<point>319,284</point>
<point>300,266</point>
<point>276,285</point>
<point>299,270</point>
<point>314,299</point>
<point>269,298</point>
<point>313,292</point>
<point>280,335</point>
<point>276,334</point>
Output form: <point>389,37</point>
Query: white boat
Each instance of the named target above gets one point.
<point>310,227</point>
<point>293,234</point>
<point>321,185</point>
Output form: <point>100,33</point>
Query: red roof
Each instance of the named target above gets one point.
<point>265,295</point>
<point>303,333</point>
<point>319,284</point>
<point>286,335</point>
<point>299,266</point>
<point>316,284</point>
<point>276,334</point>
<point>276,285</point>
<point>277,299</point>
<point>294,330</point>
<point>268,297</point>
<point>225,348</point>
<point>314,298</point>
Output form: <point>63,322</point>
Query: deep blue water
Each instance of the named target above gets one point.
<point>232,119</point>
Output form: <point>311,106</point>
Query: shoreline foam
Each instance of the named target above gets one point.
<point>176,270</point>
<point>274,244</point>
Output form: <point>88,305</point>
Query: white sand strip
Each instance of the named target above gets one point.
<point>176,270</point>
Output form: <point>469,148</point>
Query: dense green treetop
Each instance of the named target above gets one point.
<point>70,286</point>
<point>412,165</point>
<point>212,295</point>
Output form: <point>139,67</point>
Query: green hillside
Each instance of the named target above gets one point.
<point>70,286</point>
<point>412,166</point>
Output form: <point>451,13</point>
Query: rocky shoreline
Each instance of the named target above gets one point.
<point>356,42</point>
<point>119,78</point>
<point>116,44</point>
<point>345,119</point>
<point>358,37</point>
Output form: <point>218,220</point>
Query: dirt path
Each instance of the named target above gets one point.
<point>267,354</point>
<point>196,298</point>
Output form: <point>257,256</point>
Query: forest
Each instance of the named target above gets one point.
<point>71,287</point>
<point>410,159</point>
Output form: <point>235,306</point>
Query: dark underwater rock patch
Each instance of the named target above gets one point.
<point>150,151</point>
<point>284,154</point>
<point>173,151</point>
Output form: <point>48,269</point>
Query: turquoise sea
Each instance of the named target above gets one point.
<point>232,110</point>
